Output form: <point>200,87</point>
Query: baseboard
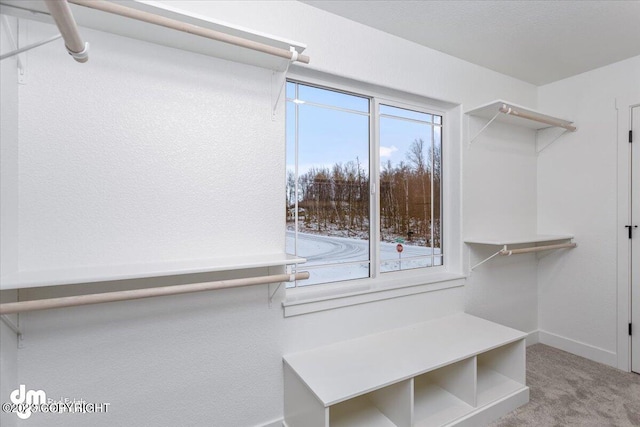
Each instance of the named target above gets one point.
<point>578,348</point>
<point>276,423</point>
<point>533,337</point>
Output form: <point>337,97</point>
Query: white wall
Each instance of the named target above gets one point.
<point>577,193</point>
<point>137,158</point>
<point>8,154</point>
<point>8,212</point>
<point>500,201</point>
<point>174,155</point>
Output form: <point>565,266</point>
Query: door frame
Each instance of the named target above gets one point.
<point>624,106</point>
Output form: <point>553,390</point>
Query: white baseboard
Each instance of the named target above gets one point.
<point>275,423</point>
<point>533,338</point>
<point>578,348</point>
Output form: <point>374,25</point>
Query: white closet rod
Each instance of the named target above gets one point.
<point>174,24</point>
<point>45,304</point>
<point>61,14</point>
<point>515,112</point>
<point>508,252</point>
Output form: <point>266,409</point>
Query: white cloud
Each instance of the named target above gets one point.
<point>387,151</point>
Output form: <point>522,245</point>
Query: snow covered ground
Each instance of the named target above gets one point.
<point>320,250</point>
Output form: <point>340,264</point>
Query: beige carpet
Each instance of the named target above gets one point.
<point>568,390</point>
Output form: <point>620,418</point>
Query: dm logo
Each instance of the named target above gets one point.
<point>26,399</point>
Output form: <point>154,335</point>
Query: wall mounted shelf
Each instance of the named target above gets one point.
<point>458,369</point>
<point>563,241</point>
<point>517,240</point>
<point>519,116</point>
<point>510,113</point>
<point>98,20</point>
<point>32,279</point>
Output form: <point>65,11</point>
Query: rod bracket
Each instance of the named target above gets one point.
<point>82,56</point>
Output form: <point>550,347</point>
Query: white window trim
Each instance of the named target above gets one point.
<point>313,298</point>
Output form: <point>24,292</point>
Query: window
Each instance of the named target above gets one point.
<point>341,147</point>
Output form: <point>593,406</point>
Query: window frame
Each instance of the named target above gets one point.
<point>375,150</point>
<point>379,285</point>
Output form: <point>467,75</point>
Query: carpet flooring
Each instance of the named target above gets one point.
<point>568,390</point>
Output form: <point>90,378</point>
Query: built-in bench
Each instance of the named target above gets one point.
<point>457,370</point>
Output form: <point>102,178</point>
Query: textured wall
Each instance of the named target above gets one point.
<point>577,193</point>
<point>8,213</point>
<point>157,156</point>
<point>500,201</point>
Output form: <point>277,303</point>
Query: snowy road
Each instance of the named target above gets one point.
<point>319,249</point>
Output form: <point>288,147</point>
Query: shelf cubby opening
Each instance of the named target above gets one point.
<point>443,395</point>
<point>501,371</point>
<point>387,407</point>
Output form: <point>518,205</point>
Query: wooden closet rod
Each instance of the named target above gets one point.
<point>45,304</point>
<point>508,252</point>
<point>515,112</point>
<point>61,14</point>
<point>174,24</point>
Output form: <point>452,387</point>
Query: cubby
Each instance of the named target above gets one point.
<point>444,394</point>
<point>387,407</point>
<point>456,370</point>
<point>500,372</point>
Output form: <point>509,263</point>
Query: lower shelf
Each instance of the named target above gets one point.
<point>358,412</point>
<point>435,406</point>
<point>493,386</point>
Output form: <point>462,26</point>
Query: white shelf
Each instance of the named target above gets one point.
<point>488,111</point>
<point>90,18</point>
<point>517,240</point>
<point>71,276</point>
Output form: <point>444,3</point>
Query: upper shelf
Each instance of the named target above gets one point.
<point>508,112</point>
<point>90,18</point>
<point>72,276</point>
<point>517,240</point>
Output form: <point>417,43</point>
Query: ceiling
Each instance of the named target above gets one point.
<point>535,41</point>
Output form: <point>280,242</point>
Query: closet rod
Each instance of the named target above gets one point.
<point>174,24</point>
<point>45,304</point>
<point>61,14</point>
<point>508,252</point>
<point>515,112</point>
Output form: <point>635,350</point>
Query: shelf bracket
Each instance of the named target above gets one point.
<point>26,48</point>
<point>5,319</point>
<point>14,47</point>
<point>538,133</point>
<point>485,127</point>
<point>504,248</point>
<point>278,82</point>
<point>292,278</point>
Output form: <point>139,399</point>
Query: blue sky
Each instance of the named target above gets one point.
<point>329,136</point>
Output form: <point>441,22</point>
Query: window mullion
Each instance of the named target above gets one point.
<point>375,236</point>
<point>431,178</point>
<point>297,190</point>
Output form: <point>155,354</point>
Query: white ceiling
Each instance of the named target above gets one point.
<point>535,41</point>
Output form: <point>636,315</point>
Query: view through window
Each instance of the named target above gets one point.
<point>331,208</point>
